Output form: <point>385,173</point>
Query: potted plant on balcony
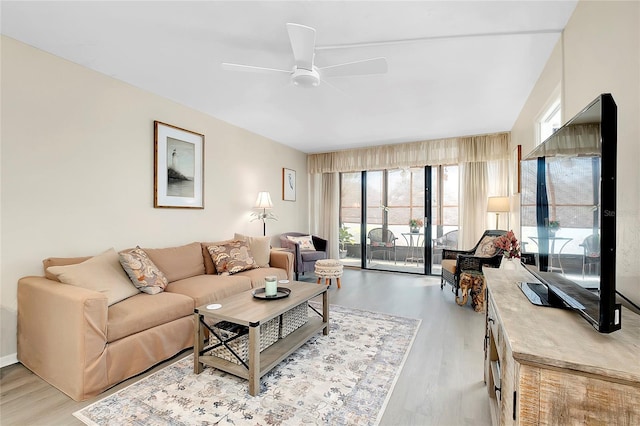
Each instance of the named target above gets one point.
<point>554,226</point>
<point>345,237</point>
<point>415,225</point>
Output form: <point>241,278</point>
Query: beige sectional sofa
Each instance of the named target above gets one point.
<point>73,339</point>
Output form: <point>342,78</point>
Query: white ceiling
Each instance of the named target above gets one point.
<point>454,67</point>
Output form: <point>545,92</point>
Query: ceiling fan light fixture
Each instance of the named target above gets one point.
<point>305,78</point>
<point>305,73</point>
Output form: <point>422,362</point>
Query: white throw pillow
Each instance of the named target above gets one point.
<point>260,248</point>
<point>101,273</point>
<point>306,242</point>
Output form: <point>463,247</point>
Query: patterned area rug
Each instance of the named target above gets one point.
<point>345,378</point>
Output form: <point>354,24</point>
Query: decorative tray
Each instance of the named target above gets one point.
<point>281,293</point>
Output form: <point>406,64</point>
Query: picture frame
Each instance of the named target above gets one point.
<point>178,172</point>
<point>516,158</point>
<point>288,184</point>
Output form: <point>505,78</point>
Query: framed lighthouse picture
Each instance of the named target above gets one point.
<point>178,173</point>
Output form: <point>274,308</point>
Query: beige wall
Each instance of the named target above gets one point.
<point>77,158</point>
<point>77,171</point>
<point>600,53</point>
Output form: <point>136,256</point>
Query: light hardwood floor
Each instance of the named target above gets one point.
<point>441,382</point>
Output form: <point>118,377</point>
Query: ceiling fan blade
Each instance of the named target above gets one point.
<point>364,67</point>
<point>303,44</point>
<point>251,68</point>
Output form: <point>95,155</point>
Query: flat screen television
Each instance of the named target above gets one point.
<point>568,216</point>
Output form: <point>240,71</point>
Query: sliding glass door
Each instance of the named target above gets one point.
<point>351,218</point>
<point>391,219</point>
<point>444,213</point>
<point>395,199</point>
<point>380,242</point>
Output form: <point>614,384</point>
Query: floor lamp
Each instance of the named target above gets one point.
<point>498,205</point>
<point>263,202</point>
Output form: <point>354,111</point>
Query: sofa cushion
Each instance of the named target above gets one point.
<point>257,275</point>
<point>260,248</point>
<point>144,274</point>
<point>204,289</point>
<point>178,263</point>
<point>306,242</point>
<point>101,273</point>
<point>487,247</point>
<point>312,255</point>
<point>232,257</point>
<point>144,311</point>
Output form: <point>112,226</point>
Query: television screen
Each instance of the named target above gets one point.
<point>568,204</point>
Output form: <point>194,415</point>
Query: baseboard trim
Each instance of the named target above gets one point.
<point>9,359</point>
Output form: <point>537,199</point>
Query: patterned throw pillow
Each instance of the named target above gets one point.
<point>306,243</point>
<point>232,257</point>
<point>487,247</point>
<point>144,274</point>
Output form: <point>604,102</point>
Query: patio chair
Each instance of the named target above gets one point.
<point>446,241</point>
<point>381,240</point>
<point>591,246</point>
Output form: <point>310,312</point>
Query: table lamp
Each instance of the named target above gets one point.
<point>498,205</point>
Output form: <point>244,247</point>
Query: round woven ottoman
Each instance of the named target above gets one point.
<point>327,269</point>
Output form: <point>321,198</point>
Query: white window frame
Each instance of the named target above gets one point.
<point>551,115</point>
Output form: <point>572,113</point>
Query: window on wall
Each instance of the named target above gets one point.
<point>550,120</point>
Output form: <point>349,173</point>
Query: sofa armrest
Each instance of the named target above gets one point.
<point>62,335</point>
<point>295,249</point>
<point>282,259</point>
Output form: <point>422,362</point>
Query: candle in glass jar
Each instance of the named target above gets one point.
<point>271,286</point>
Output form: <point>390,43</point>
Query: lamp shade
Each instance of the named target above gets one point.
<point>498,204</point>
<point>264,200</point>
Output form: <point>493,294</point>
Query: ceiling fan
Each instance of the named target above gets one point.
<point>304,72</point>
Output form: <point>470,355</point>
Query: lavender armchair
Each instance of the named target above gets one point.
<point>304,259</point>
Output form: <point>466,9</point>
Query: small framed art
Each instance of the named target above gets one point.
<point>178,172</point>
<point>288,184</point>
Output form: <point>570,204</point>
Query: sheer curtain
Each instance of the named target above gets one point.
<point>479,181</point>
<point>498,186</point>
<point>324,207</point>
<point>474,181</point>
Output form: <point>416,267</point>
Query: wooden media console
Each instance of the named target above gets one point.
<point>549,366</point>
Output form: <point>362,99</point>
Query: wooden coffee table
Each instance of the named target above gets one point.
<point>246,310</point>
